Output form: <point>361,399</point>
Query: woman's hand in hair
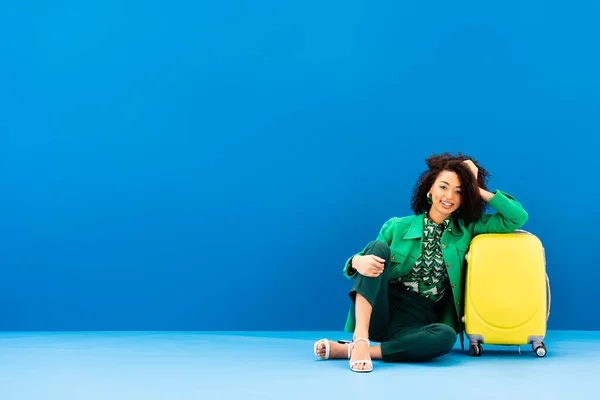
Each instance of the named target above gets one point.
<point>472,167</point>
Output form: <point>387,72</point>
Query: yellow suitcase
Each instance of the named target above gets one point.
<point>507,292</point>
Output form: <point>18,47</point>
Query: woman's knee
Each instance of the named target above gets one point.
<point>439,341</point>
<point>442,339</point>
<point>378,248</point>
<point>433,341</point>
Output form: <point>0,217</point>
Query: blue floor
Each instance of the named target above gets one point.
<point>279,365</point>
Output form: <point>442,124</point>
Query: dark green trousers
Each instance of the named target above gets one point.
<point>404,322</point>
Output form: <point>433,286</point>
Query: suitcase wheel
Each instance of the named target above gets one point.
<point>540,350</point>
<point>475,350</point>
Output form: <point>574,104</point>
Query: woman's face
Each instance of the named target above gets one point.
<point>446,196</point>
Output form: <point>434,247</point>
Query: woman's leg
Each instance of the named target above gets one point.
<point>369,310</point>
<point>370,307</point>
<point>414,334</point>
<point>418,343</point>
<point>370,304</point>
<point>408,344</point>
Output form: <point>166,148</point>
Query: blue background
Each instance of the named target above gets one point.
<point>211,165</point>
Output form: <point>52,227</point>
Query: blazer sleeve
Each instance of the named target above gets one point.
<point>384,235</point>
<point>510,215</point>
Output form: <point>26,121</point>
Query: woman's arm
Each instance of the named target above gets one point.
<point>510,214</point>
<point>485,195</point>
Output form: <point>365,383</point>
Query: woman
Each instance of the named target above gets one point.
<point>407,288</point>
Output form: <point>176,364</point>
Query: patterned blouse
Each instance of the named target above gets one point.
<point>429,277</point>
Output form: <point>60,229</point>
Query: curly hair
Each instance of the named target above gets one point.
<point>473,205</point>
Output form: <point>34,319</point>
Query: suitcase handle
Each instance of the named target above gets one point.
<point>548,293</point>
<point>549,298</point>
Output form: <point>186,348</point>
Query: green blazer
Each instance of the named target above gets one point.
<point>404,236</point>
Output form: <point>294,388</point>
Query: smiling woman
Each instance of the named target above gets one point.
<point>408,282</point>
<point>446,191</point>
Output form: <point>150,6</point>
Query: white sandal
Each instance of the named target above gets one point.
<point>328,348</point>
<point>369,362</point>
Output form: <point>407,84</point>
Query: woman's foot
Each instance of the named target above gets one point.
<point>360,359</point>
<point>336,350</point>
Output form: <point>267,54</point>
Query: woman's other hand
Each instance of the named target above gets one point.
<point>369,265</point>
